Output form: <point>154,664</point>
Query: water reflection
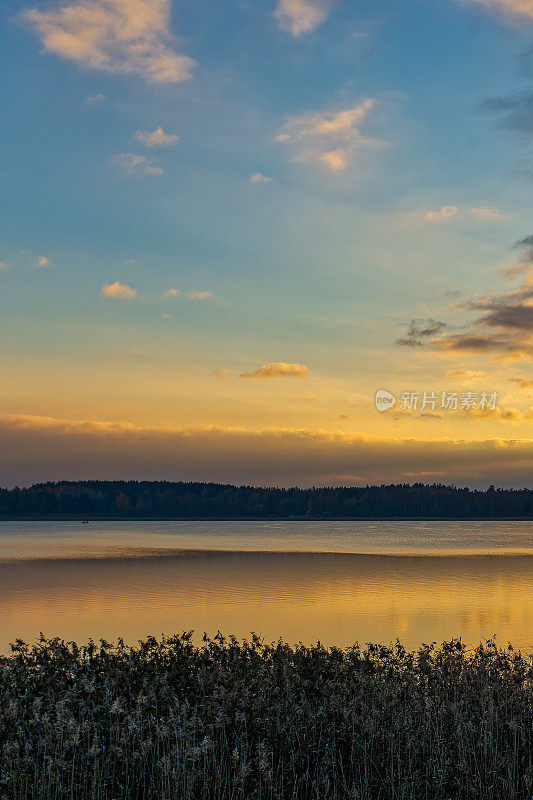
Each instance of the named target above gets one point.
<point>336,598</point>
<point>111,539</point>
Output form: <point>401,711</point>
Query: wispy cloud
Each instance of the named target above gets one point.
<point>527,241</point>
<point>134,163</point>
<point>419,331</point>
<point>278,369</point>
<point>258,177</point>
<point>503,325</point>
<point>516,111</point>
<point>301,16</point>
<point>509,8</point>
<point>196,295</point>
<point>508,414</point>
<point>479,214</point>
<point>121,290</point>
<point>157,138</point>
<point>519,267</point>
<point>523,384</point>
<point>525,261</point>
<point>487,213</point>
<point>297,397</point>
<point>465,375</point>
<point>442,214</point>
<point>122,36</point>
<point>331,138</point>
<point>514,269</point>
<point>96,99</point>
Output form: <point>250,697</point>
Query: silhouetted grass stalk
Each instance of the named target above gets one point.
<point>234,721</point>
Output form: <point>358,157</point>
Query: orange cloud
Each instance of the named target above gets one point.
<point>517,8</point>
<point>118,290</point>
<point>157,138</point>
<point>503,326</point>
<point>124,36</point>
<point>502,414</point>
<point>42,448</point>
<point>335,159</point>
<point>522,383</point>
<point>278,370</point>
<point>301,16</point>
<point>328,137</point>
<point>443,214</point>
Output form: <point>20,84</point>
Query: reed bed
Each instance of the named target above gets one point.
<point>229,720</point>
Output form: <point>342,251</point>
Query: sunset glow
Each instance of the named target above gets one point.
<point>228,227</point>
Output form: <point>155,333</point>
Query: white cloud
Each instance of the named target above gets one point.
<point>301,16</point>
<point>157,138</point>
<point>118,290</point>
<point>134,163</point>
<point>258,177</point>
<point>199,295</point>
<point>172,292</point>
<point>328,137</point>
<point>43,261</point>
<point>119,36</point>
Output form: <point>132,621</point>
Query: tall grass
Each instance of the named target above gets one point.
<point>235,721</point>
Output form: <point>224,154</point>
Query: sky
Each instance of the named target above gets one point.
<point>226,226</point>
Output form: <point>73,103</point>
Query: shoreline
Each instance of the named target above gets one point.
<point>220,518</point>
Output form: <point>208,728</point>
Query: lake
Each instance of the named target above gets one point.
<point>336,582</point>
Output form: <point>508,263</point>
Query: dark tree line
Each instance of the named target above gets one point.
<point>165,499</point>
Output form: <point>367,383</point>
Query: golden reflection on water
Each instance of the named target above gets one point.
<point>334,598</point>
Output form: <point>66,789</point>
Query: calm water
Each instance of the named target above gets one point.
<point>333,581</point>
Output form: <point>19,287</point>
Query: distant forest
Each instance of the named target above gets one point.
<point>146,499</point>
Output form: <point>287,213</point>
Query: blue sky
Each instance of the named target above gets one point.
<point>311,176</point>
